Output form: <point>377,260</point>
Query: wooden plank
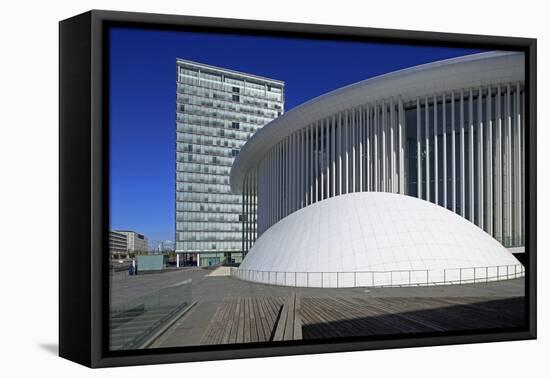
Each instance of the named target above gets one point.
<point>253,320</point>
<point>281,324</point>
<point>289,325</point>
<point>246,330</point>
<point>297,319</point>
<point>267,324</point>
<point>230,323</point>
<point>275,307</point>
<point>234,338</point>
<point>263,326</point>
<point>221,323</point>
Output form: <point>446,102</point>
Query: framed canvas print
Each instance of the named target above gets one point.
<point>234,188</point>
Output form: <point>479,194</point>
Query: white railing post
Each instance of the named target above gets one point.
<point>427,278</point>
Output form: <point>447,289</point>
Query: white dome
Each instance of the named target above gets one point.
<point>376,239</point>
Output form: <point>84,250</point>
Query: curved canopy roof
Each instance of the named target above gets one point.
<point>466,72</point>
<point>382,232</point>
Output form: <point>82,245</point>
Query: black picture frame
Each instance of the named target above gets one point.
<point>84,175</point>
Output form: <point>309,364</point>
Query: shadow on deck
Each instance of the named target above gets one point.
<point>267,319</point>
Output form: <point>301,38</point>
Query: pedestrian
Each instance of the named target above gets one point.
<point>135,270</point>
<point>131,270</point>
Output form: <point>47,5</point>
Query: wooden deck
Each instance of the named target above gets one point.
<point>264,319</point>
<point>353,316</point>
<point>244,320</point>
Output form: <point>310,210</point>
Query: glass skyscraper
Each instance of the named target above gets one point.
<point>218,110</point>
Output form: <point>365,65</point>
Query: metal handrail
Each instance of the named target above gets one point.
<point>503,272</point>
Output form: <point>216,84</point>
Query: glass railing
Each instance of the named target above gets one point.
<point>394,278</point>
<point>136,323</point>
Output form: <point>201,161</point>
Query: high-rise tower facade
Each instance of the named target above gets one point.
<point>218,110</point>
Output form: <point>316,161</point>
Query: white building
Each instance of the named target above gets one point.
<point>118,242</point>
<point>136,242</point>
<point>449,132</point>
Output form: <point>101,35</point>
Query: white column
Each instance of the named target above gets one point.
<point>296,168</point>
<point>508,163</point>
<point>384,152</point>
<point>339,143</point>
<point>328,153</point>
<point>299,170</point>
<point>436,157</point>
<point>418,149</point>
<point>269,188</point>
<point>321,154</point>
<point>276,187</point>
<point>333,155</point>
<point>360,131</point>
<point>376,128</point>
<point>444,128</point>
<point>401,154</point>
<point>255,208</point>
<point>462,170</point>
<point>318,174</point>
<point>290,183</point>
<point>286,164</point>
<point>305,188</point>
<point>274,182</point>
<point>347,151</point>
<point>264,195</point>
<point>453,153</point>
<point>480,162</point>
<point>294,164</point>
<point>490,162</point>
<point>367,146</point>
<point>328,159</point>
<point>305,191</point>
<point>471,154</point>
<point>523,165</point>
<point>290,174</point>
<point>518,178</point>
<point>498,168</point>
<point>427,120</point>
<point>392,151</point>
<point>311,163</point>
<point>353,150</point>
<point>281,179</point>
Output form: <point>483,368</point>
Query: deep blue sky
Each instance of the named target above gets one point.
<point>143,91</point>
